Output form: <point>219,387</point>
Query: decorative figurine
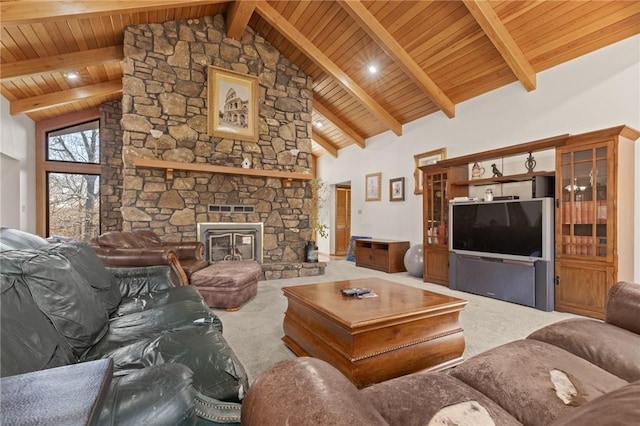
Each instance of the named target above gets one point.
<point>477,171</point>
<point>530,163</point>
<point>496,172</point>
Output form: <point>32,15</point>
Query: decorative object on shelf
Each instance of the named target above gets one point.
<point>246,163</point>
<point>593,177</point>
<point>396,189</point>
<point>496,172</point>
<point>488,194</point>
<point>577,190</point>
<point>156,135</point>
<point>424,159</point>
<point>477,171</point>
<point>372,187</point>
<point>311,252</point>
<point>530,163</point>
<point>414,261</point>
<point>232,104</point>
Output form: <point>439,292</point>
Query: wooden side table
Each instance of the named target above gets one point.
<point>383,255</point>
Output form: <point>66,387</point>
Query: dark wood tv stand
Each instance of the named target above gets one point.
<point>383,255</point>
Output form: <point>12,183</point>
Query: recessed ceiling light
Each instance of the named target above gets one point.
<point>319,124</point>
<point>71,75</point>
<point>373,69</point>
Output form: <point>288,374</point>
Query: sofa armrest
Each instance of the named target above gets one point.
<point>148,256</point>
<point>304,391</point>
<point>623,306</point>
<point>137,257</point>
<point>187,249</point>
<point>143,280</point>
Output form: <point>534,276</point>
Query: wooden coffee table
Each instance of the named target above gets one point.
<point>402,330</point>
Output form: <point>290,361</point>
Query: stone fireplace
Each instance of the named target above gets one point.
<point>231,241</point>
<point>165,89</point>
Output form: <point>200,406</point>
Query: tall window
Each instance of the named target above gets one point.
<point>72,185</point>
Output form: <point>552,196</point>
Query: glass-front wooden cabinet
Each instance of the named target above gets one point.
<point>437,191</point>
<point>594,216</point>
<point>584,205</point>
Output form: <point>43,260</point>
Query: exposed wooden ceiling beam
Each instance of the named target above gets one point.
<point>30,11</point>
<point>238,15</point>
<point>490,23</point>
<point>337,121</point>
<point>325,144</point>
<point>49,100</point>
<point>295,37</point>
<point>63,62</point>
<point>395,51</point>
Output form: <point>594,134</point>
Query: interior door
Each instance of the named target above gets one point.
<point>343,220</point>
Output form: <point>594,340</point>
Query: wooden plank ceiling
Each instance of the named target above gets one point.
<point>430,55</point>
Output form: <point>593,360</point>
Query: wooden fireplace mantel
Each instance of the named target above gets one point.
<point>170,166</point>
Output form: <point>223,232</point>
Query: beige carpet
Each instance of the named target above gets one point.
<point>255,330</point>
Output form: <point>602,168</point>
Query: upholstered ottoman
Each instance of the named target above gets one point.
<point>228,284</point>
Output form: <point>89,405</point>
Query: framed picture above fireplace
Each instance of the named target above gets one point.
<point>232,105</point>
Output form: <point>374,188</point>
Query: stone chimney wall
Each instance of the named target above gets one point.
<point>111,173</point>
<point>165,88</point>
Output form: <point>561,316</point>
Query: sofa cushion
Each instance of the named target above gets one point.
<point>306,391</point>
<point>61,293</point>
<point>159,396</point>
<point>14,239</point>
<point>217,371</point>
<point>28,340</point>
<point>611,348</point>
<point>85,262</point>
<point>416,399</point>
<point>157,299</point>
<point>524,378</point>
<point>620,407</point>
<point>136,281</point>
<point>144,324</point>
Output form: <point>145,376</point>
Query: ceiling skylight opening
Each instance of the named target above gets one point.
<point>71,75</point>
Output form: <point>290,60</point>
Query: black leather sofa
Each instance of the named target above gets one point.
<point>60,306</point>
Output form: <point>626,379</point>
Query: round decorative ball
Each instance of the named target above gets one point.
<point>414,261</point>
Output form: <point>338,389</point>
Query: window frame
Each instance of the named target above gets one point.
<point>44,166</point>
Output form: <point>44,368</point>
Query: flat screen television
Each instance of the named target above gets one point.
<point>507,229</point>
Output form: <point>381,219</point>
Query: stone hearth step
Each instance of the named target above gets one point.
<point>277,270</point>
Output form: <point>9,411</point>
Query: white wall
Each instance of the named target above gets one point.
<point>17,170</point>
<point>593,92</point>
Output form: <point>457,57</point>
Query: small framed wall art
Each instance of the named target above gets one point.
<point>232,105</point>
<point>424,159</point>
<point>396,189</point>
<point>372,187</point>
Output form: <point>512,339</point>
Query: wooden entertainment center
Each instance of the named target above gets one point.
<point>594,202</point>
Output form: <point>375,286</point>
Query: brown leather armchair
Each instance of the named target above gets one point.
<point>145,248</point>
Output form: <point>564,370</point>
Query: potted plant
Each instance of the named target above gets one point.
<point>318,196</point>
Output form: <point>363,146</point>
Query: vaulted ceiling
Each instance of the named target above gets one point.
<point>429,55</point>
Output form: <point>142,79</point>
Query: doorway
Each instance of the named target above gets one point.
<point>343,219</point>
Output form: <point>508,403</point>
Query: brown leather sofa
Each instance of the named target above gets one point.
<point>145,248</point>
<point>574,372</point>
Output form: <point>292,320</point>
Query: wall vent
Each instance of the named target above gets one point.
<point>225,208</point>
